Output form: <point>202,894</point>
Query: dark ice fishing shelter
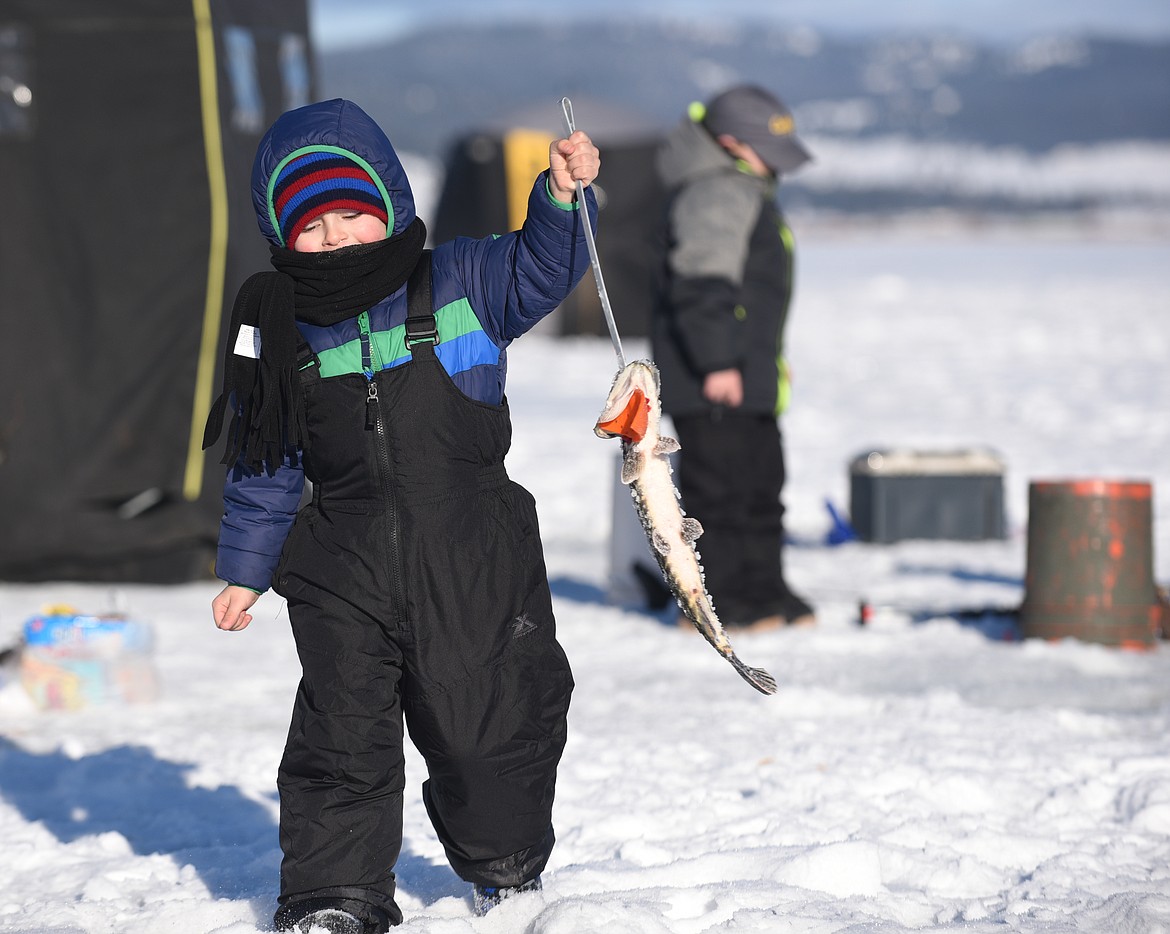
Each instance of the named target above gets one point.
<point>127,131</point>
<point>488,176</point>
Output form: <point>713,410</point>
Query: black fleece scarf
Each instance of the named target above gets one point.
<point>268,420</point>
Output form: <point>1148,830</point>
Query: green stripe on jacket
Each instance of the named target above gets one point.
<point>452,321</point>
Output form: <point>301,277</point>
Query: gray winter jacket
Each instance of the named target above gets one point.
<point>726,279</point>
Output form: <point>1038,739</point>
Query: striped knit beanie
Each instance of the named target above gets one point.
<point>318,182</point>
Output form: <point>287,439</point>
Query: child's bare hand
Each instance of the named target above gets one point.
<point>230,608</point>
<point>571,160</point>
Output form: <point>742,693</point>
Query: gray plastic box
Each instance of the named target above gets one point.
<point>905,494</point>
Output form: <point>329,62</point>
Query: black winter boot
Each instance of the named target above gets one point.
<point>332,916</point>
<point>486,897</point>
<point>331,921</point>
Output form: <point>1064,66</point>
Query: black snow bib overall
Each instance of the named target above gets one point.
<point>416,588</point>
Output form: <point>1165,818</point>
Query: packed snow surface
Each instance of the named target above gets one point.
<point>929,771</point>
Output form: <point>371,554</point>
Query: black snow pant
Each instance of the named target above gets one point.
<point>731,474</point>
<point>417,590</point>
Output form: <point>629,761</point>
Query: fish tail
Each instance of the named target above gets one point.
<point>756,677</point>
<point>702,614</point>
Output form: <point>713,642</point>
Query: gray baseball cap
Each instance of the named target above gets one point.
<point>760,119</point>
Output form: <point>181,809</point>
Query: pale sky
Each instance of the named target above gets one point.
<point>341,21</point>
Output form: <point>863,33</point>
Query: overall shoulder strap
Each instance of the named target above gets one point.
<point>420,320</point>
<point>306,356</point>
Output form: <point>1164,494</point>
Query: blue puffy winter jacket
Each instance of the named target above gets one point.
<point>485,293</point>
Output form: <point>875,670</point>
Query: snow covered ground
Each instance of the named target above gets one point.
<point>918,774</point>
<point>1128,172</point>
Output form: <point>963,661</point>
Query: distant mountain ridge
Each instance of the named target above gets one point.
<point>437,85</point>
<point>907,124</point>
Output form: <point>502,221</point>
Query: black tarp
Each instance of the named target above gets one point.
<point>480,197</point>
<point>127,131</point>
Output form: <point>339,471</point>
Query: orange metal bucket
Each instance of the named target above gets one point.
<point>1090,572</point>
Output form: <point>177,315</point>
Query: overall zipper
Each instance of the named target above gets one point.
<point>375,423</point>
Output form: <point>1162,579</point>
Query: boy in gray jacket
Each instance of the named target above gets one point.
<point>718,340</point>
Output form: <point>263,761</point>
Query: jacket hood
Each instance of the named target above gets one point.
<point>335,124</point>
<point>690,151</point>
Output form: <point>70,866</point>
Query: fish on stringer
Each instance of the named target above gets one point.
<point>633,413</point>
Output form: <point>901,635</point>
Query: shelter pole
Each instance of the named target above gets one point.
<point>217,250</point>
<point>567,110</point>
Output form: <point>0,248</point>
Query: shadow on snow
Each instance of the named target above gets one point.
<point>228,838</point>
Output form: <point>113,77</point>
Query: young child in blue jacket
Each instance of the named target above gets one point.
<point>415,577</point>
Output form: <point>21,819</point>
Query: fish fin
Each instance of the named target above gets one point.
<point>631,461</point>
<point>661,545</point>
<point>667,445</point>
<point>691,529</point>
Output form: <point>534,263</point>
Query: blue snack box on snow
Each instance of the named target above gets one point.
<point>71,660</point>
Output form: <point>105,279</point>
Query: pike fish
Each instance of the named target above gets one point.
<point>633,413</point>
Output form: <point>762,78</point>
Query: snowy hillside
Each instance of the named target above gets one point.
<point>918,774</point>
